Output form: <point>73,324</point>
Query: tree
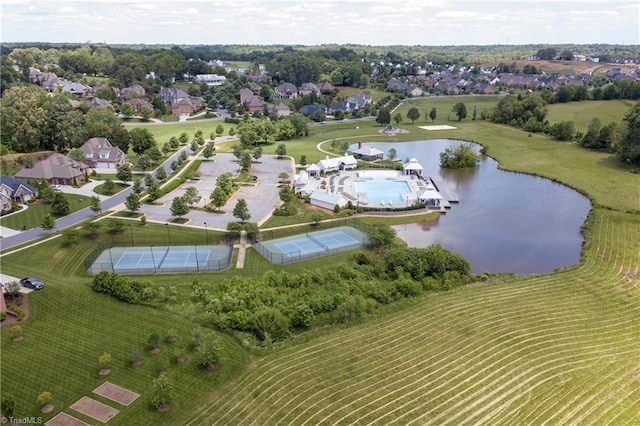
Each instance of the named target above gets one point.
<point>281,150</point>
<point>256,153</point>
<point>12,288</point>
<point>301,124</point>
<point>127,109</point>
<point>146,113</point>
<point>219,130</point>
<point>398,118</point>
<point>208,150</point>
<point>124,173</point>
<point>141,139</point>
<point>245,160</point>
<point>303,160</point>
<point>179,207</point>
<point>137,186</point>
<point>192,196</point>
<point>232,131</point>
<point>384,116</point>
<point>461,110</point>
<point>433,115</point>
<point>161,174</point>
<point>183,138</point>
<point>75,154</point>
<point>108,186</point>
<point>413,114</point>
<point>207,356</point>
<point>7,405</point>
<point>225,182</point>
<point>460,156</point>
<point>286,193</point>
<point>91,228</point>
<point>563,131</point>
<point>162,391</point>
<point>219,197</point>
<point>392,154</point>
<point>104,359</point>
<point>47,223</point>
<point>194,146</point>
<point>283,177</point>
<point>381,235</point>
<point>317,217</point>
<point>132,202</point>
<point>629,146</point>
<point>44,397</point>
<point>95,204</point>
<point>60,204</point>
<point>241,210</point>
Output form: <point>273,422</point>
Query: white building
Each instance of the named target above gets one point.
<point>333,164</point>
<point>327,200</point>
<point>211,79</point>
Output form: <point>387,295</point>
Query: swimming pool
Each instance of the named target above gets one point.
<point>382,189</point>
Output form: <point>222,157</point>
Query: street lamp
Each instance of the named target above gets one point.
<point>131,232</point>
<point>168,233</point>
<point>153,260</point>
<point>206,233</point>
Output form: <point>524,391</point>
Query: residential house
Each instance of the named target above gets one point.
<point>326,87</point>
<point>343,106</point>
<point>181,102</point>
<point>132,92</point>
<point>138,104</point>
<point>255,88</point>
<point>12,191</point>
<point>286,91</point>
<point>301,184</point>
<point>99,153</point>
<point>280,110</point>
<point>75,88</point>
<point>255,104</point>
<point>58,169</point>
<point>246,95</point>
<point>98,103</point>
<point>311,109</point>
<point>359,100</point>
<point>309,88</point>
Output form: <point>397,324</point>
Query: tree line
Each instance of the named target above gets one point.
<point>529,113</point>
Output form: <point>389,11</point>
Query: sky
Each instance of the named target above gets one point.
<point>316,22</point>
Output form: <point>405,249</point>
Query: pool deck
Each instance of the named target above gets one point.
<point>344,184</point>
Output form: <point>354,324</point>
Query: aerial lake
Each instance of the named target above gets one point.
<point>505,221</point>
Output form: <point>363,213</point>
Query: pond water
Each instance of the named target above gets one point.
<point>505,222</point>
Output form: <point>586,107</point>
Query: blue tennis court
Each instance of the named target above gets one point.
<point>153,259</point>
<point>313,244</point>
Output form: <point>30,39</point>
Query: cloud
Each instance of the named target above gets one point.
<point>456,14</point>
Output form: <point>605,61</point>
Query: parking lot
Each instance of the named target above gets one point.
<point>261,195</point>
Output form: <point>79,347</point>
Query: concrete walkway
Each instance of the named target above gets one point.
<point>242,250</point>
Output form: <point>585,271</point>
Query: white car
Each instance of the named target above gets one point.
<point>56,188</point>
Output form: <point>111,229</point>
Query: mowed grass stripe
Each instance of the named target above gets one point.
<point>413,361</point>
<point>570,297</point>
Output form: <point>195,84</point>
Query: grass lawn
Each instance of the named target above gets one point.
<point>32,216</point>
<point>560,348</point>
<point>117,187</point>
<point>581,113</point>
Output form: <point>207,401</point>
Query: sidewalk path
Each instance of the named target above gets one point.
<point>242,251</point>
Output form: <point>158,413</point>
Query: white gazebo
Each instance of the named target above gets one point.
<point>412,167</point>
<point>430,196</point>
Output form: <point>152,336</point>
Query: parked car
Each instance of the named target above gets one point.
<point>57,188</point>
<point>32,283</point>
<point>254,178</point>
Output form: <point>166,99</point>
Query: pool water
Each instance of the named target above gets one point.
<point>382,190</point>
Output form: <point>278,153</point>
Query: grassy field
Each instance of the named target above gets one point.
<point>581,113</point>
<point>557,349</point>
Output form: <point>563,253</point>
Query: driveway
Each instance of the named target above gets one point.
<point>262,197</point>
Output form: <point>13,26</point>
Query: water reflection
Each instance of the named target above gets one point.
<point>505,222</point>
